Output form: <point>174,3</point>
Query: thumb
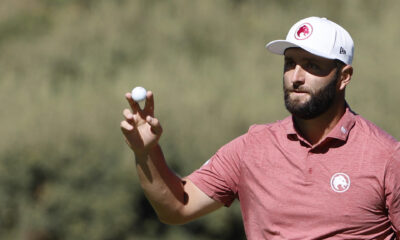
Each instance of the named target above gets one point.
<point>155,125</point>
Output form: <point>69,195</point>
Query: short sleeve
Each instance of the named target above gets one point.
<point>392,189</point>
<point>219,176</point>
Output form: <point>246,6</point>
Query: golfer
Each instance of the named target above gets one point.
<point>324,172</point>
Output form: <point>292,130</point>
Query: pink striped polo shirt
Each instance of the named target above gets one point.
<point>347,187</point>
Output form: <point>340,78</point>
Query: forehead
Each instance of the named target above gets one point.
<point>300,54</point>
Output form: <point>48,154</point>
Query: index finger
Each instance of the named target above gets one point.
<point>134,105</point>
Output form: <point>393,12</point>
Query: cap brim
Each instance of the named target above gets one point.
<point>279,46</point>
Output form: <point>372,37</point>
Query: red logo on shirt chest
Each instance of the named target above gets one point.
<point>340,182</point>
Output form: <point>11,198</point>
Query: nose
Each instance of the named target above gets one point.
<point>298,77</point>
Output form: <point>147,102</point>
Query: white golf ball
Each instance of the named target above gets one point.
<point>139,94</point>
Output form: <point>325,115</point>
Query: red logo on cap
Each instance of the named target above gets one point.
<point>303,32</point>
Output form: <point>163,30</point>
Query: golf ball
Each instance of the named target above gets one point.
<point>139,94</point>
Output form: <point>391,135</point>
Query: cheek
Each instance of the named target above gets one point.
<point>286,82</point>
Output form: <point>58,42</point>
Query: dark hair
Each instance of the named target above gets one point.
<point>339,64</point>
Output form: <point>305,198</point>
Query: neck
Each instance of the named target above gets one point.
<point>316,129</point>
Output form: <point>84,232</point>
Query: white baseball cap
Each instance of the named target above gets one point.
<point>318,36</point>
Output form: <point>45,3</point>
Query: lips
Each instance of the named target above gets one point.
<point>298,91</point>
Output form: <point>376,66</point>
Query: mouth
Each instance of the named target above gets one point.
<point>298,91</point>
<point>299,95</point>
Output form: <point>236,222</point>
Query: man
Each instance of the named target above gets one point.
<point>324,172</point>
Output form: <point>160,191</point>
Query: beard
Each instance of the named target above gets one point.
<point>318,104</point>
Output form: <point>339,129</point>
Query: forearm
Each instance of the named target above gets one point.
<point>162,187</point>
<point>167,193</point>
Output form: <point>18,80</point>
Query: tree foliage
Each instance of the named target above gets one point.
<point>65,172</point>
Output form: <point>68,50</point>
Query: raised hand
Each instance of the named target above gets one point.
<point>141,130</point>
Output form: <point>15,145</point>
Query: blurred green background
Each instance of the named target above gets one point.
<point>65,65</point>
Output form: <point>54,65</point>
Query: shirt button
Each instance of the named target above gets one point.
<point>343,129</point>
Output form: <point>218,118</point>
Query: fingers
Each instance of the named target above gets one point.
<point>155,125</point>
<point>131,121</point>
<point>126,127</point>
<point>134,105</point>
<point>128,115</point>
<point>149,105</point>
<point>137,115</point>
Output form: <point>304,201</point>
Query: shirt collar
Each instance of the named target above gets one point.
<point>343,127</point>
<point>340,131</point>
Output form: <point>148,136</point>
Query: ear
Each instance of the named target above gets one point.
<point>345,76</point>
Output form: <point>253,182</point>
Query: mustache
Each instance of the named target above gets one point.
<point>297,89</point>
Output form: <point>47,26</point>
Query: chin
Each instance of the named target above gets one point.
<point>299,101</point>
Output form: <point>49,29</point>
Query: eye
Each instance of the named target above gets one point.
<point>289,64</point>
<point>312,66</point>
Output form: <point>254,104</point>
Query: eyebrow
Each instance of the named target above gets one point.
<point>307,59</point>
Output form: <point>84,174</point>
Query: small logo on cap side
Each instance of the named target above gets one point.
<point>342,51</point>
<point>303,31</point>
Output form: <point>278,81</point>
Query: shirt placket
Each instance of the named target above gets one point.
<point>309,165</point>
<point>308,160</point>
